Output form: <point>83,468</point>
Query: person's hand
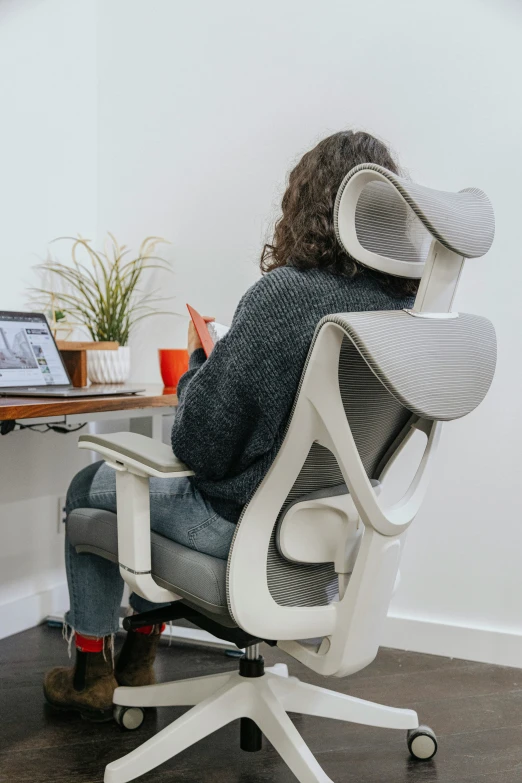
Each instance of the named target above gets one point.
<point>193,337</point>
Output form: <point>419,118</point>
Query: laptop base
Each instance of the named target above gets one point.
<point>111,390</point>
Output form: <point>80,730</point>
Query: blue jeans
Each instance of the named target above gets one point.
<point>177,511</point>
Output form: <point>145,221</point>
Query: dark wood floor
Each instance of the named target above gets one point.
<point>475,709</point>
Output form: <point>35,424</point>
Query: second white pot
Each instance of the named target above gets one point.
<point>109,366</point>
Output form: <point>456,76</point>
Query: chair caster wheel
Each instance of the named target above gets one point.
<point>129,718</point>
<point>422,743</point>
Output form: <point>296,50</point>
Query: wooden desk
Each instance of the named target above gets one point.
<point>46,407</point>
<point>144,410</point>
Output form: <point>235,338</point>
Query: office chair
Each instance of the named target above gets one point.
<point>315,557</point>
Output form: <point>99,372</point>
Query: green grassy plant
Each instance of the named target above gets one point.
<point>101,292</point>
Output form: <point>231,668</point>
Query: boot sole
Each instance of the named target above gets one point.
<point>91,715</point>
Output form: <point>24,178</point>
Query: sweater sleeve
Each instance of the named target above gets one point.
<point>231,405</point>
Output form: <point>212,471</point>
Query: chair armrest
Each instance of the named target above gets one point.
<point>136,453</point>
<point>135,459</point>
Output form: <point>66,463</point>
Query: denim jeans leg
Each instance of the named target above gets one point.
<point>95,592</point>
<point>95,584</point>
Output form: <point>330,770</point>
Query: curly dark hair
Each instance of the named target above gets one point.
<point>304,235</point>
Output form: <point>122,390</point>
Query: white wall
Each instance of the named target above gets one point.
<point>196,135</point>
<point>48,133</point>
<point>201,110</point>
<point>48,187</point>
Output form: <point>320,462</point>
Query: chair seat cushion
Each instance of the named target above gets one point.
<point>196,577</point>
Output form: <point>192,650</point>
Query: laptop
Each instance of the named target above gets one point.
<point>31,364</point>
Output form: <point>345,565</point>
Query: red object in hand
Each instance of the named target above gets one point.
<point>174,363</point>
<point>200,323</point>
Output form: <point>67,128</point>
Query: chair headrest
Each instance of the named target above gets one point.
<point>387,222</point>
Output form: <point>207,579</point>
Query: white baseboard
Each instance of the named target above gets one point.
<point>485,645</point>
<point>27,612</point>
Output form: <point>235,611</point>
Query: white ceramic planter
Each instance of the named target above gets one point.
<point>109,366</point>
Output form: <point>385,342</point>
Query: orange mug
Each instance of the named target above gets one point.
<point>174,363</point>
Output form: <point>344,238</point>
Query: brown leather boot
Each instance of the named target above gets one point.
<point>87,687</point>
<point>135,661</point>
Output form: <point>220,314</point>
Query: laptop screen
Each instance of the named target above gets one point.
<point>28,354</point>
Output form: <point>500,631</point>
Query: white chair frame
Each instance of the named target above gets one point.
<point>367,565</point>
<point>350,627</point>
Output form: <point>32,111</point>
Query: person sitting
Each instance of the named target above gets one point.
<point>231,419</point>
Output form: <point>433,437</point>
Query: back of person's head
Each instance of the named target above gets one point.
<point>304,235</point>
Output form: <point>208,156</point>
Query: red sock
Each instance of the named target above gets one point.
<point>83,644</point>
<point>148,629</point>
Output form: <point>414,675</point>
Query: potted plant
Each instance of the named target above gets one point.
<point>101,295</point>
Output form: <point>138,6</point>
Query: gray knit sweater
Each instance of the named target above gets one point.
<point>234,406</point>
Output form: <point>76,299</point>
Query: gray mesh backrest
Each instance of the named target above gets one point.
<point>375,416</point>
<point>391,365</point>
<point>437,368</point>
<point>376,419</point>
<point>387,226</point>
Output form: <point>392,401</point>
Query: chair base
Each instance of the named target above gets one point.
<point>219,699</point>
